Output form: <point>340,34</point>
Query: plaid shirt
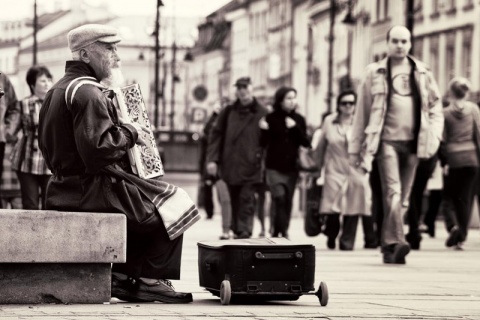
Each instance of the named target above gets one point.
<point>26,156</point>
<point>10,186</point>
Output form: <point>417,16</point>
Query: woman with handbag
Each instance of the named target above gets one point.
<point>460,156</point>
<point>283,132</point>
<point>346,191</point>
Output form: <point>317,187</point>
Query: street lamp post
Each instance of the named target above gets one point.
<point>35,29</point>
<point>331,40</point>
<point>350,22</point>
<point>157,64</point>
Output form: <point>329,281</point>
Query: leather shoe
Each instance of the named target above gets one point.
<point>413,240</point>
<point>133,290</point>
<point>454,237</point>
<point>396,254</point>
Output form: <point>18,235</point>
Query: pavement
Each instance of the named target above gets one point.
<point>436,283</point>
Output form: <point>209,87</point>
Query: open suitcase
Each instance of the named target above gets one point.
<point>258,270</point>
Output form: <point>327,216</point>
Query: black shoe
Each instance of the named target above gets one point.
<point>396,254</point>
<point>371,245</point>
<point>133,290</point>
<point>331,243</point>
<point>453,238</point>
<point>345,247</point>
<point>414,241</point>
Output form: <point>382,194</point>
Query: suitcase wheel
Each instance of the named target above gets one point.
<point>322,294</point>
<point>225,292</point>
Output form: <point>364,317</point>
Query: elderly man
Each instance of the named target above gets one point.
<point>85,146</point>
<point>234,150</point>
<point>398,119</point>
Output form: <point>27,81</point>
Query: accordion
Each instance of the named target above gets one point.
<point>144,160</point>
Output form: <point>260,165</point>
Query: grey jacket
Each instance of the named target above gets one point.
<point>372,107</point>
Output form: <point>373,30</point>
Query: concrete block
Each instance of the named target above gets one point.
<point>38,283</point>
<point>59,237</point>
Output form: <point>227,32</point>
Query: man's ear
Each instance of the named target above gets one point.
<point>85,55</point>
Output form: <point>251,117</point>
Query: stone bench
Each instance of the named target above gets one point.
<point>59,257</point>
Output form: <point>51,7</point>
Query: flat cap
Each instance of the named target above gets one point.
<point>82,36</point>
<point>243,81</point>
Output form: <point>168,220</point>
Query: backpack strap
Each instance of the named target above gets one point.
<point>75,84</point>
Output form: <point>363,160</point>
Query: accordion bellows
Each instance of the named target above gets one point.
<point>144,160</point>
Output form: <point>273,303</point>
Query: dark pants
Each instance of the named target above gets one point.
<point>2,155</point>
<point>242,198</point>
<point>422,175</point>
<point>349,232</point>
<point>434,201</point>
<point>31,185</point>
<point>459,189</point>
<point>152,256</point>
<point>332,225</point>
<point>208,197</point>
<point>282,189</point>
<point>377,199</point>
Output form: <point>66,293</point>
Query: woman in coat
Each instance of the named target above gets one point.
<point>460,152</point>
<point>27,159</point>
<point>283,132</point>
<point>345,190</point>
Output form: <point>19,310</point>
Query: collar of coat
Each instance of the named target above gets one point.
<point>79,68</point>
<point>381,66</point>
<point>253,106</point>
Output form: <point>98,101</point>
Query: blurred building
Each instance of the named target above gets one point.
<point>287,42</point>
<point>136,52</point>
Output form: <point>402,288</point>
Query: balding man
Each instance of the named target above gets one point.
<point>85,145</point>
<point>398,120</point>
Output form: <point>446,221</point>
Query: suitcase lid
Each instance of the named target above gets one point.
<point>260,242</point>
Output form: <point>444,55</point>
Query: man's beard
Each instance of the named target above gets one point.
<point>115,79</point>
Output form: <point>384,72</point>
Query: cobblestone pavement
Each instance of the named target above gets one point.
<point>436,283</point>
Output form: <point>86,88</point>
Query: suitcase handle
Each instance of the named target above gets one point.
<point>290,255</point>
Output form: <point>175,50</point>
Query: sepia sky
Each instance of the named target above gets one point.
<point>15,9</point>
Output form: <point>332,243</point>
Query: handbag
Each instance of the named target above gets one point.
<point>306,161</point>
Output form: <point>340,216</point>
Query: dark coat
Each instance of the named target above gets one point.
<point>79,142</point>
<point>234,143</point>
<point>282,143</point>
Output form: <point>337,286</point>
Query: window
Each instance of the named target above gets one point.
<point>382,10</point>
<point>434,55</point>
<point>435,9</point>
<point>467,53</point>
<point>418,48</point>
<point>450,56</point>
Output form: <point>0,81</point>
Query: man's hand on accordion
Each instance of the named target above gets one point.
<point>141,141</point>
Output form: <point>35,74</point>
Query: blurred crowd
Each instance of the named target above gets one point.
<point>391,144</point>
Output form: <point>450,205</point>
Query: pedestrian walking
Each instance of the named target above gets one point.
<point>234,154</point>
<point>8,114</point>
<point>423,173</point>
<point>85,145</point>
<point>27,159</point>
<point>10,193</point>
<point>283,132</point>
<point>461,150</point>
<point>345,192</point>
<point>399,119</point>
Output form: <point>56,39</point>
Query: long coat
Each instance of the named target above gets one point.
<point>234,143</point>
<point>345,190</point>
<point>86,147</point>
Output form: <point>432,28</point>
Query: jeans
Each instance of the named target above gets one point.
<point>397,164</point>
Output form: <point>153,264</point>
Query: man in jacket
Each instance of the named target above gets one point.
<point>399,120</point>
<point>85,146</point>
<point>9,111</point>
<point>234,152</point>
